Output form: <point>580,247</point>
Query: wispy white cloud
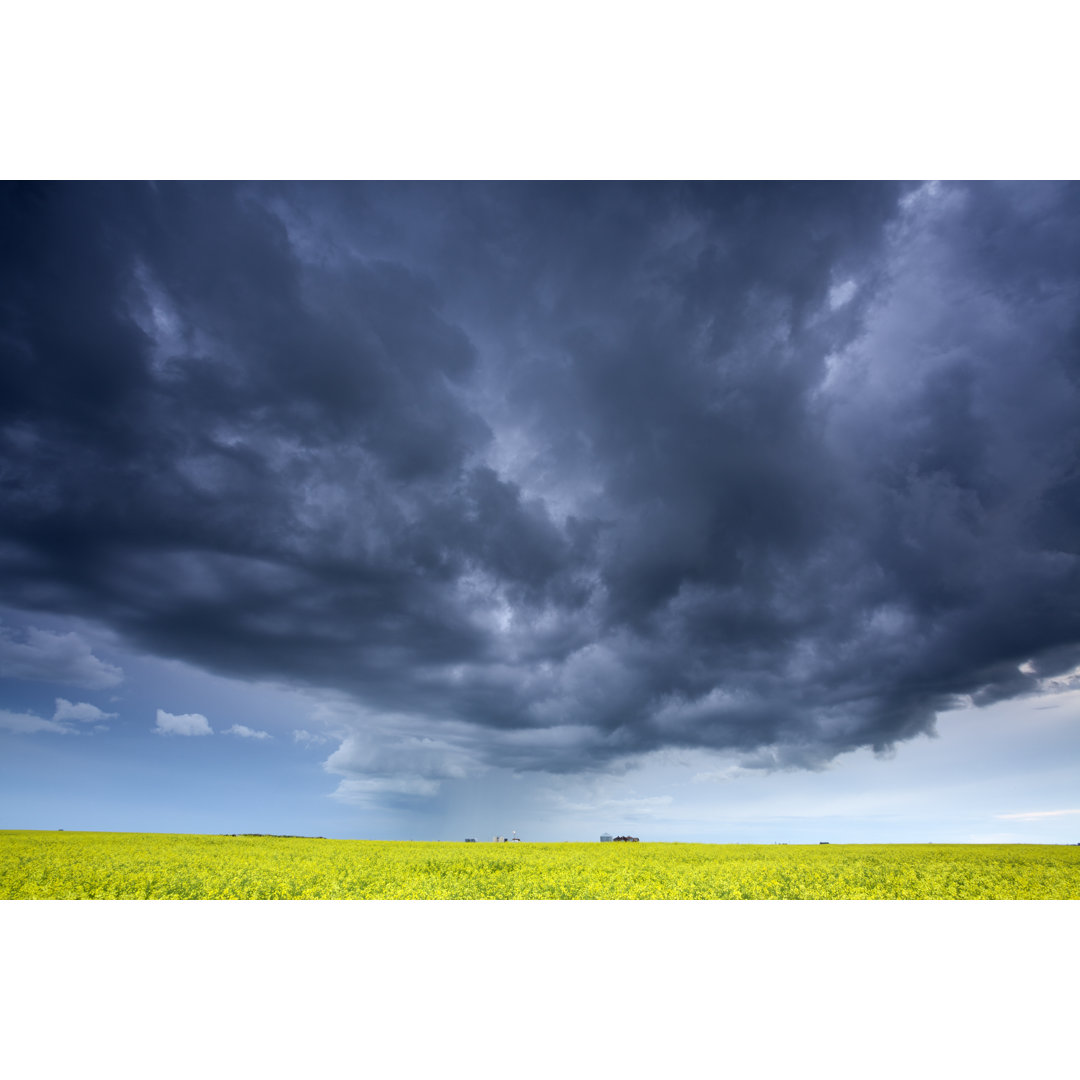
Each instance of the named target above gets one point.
<point>29,724</point>
<point>308,738</point>
<point>1035,815</point>
<point>633,808</point>
<point>82,711</point>
<point>184,724</point>
<point>381,756</point>
<point>247,733</point>
<point>367,791</point>
<point>720,776</point>
<point>47,656</point>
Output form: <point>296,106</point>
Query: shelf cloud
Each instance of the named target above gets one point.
<point>549,477</point>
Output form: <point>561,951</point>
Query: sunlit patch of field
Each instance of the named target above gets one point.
<point>123,866</point>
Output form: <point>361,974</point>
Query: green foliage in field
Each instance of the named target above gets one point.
<point>121,866</point>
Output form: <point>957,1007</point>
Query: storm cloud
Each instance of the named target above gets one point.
<point>552,476</point>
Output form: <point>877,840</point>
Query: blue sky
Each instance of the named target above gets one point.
<point>709,512</point>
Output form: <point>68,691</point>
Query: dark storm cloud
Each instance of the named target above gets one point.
<point>552,475</point>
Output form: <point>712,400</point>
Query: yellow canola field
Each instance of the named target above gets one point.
<point>123,866</point>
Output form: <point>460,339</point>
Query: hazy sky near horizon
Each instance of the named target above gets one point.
<point>742,512</point>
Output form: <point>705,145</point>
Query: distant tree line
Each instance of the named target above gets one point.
<point>274,836</point>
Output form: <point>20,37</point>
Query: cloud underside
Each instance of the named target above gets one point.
<point>553,476</point>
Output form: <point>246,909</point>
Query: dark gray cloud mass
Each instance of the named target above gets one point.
<point>584,470</point>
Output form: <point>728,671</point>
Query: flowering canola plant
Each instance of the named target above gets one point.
<point>132,866</point>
